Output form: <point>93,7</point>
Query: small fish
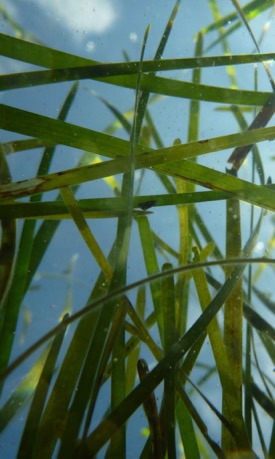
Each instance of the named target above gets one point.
<point>146,205</point>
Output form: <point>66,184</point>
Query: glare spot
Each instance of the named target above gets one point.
<point>90,46</point>
<point>133,37</point>
<point>259,246</point>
